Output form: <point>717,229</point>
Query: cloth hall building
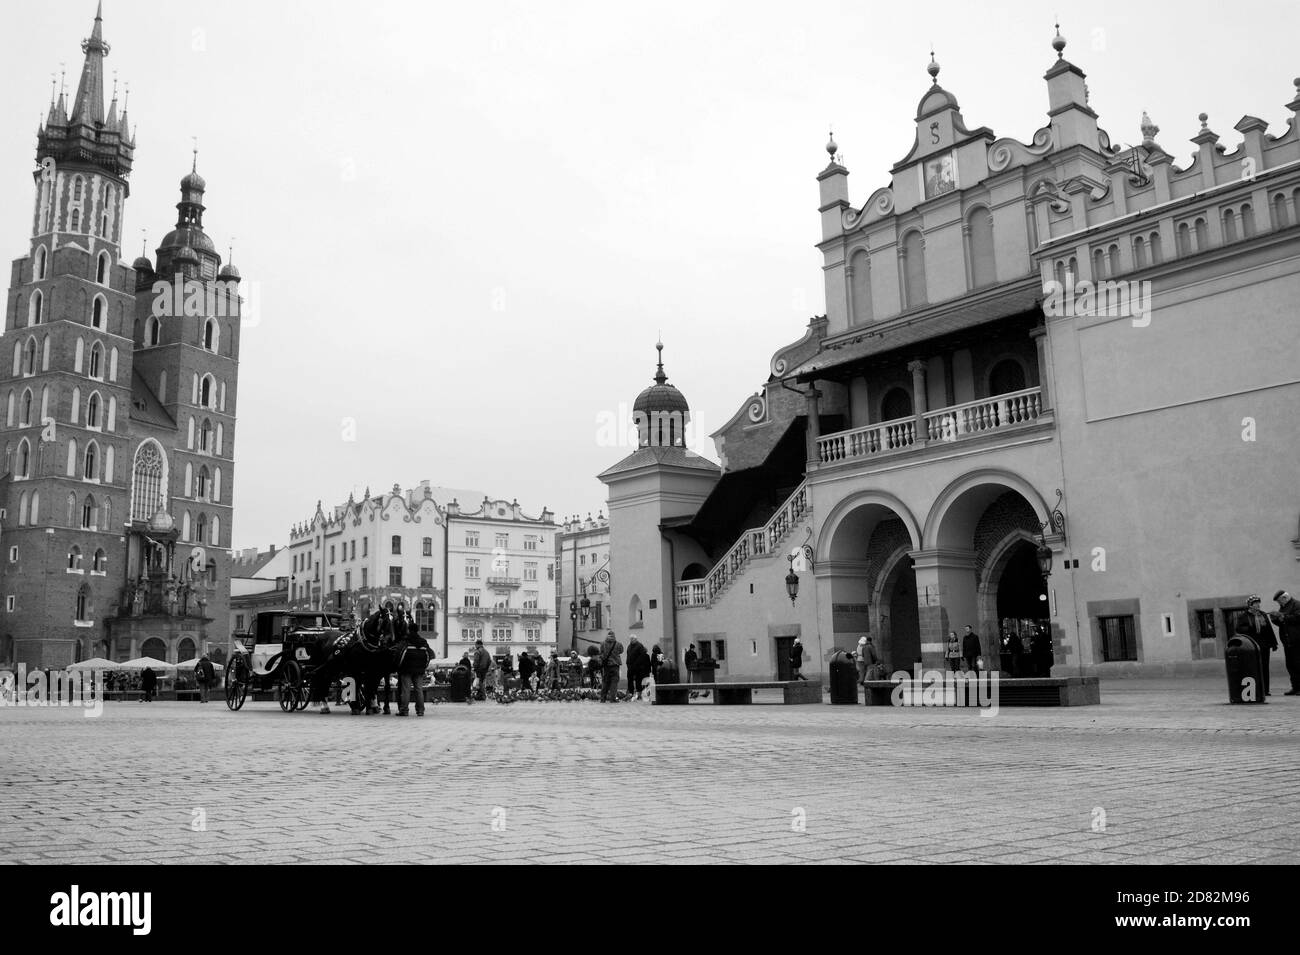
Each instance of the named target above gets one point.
<point>119,409</point>
<point>1055,348</point>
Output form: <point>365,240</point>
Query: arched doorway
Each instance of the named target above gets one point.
<point>864,559</point>
<point>185,650</point>
<point>153,647</point>
<point>899,645</point>
<point>694,572</point>
<point>1019,597</point>
<point>897,403</point>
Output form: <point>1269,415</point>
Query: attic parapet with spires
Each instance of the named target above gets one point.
<point>966,211</point>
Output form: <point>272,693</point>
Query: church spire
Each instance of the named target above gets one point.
<point>88,107</point>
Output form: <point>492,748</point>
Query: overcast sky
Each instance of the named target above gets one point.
<point>464,225</point>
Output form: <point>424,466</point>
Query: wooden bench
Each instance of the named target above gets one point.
<point>731,693</point>
<point>1029,691</point>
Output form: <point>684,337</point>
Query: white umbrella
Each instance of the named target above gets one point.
<point>140,663</point>
<point>191,664</point>
<point>95,663</point>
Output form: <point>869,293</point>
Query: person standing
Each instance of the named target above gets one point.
<point>148,683</point>
<point>970,648</point>
<point>482,661</point>
<point>656,661</point>
<point>863,655</point>
<point>691,659</point>
<point>204,675</point>
<point>796,660</point>
<point>953,652</point>
<point>1287,620</point>
<point>611,658</point>
<point>1254,624</point>
<point>525,671</point>
<point>638,665</point>
<point>410,670</point>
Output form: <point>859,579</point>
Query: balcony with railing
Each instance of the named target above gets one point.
<point>755,542</point>
<point>955,423</point>
<point>504,583</point>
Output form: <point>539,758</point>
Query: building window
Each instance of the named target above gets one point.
<point>1118,642</point>
<point>146,481</point>
<point>74,558</point>
<point>913,254</point>
<point>426,576</point>
<point>95,369</point>
<point>397,544</point>
<point>13,554</point>
<point>365,577</point>
<point>860,286</point>
<point>88,513</point>
<point>472,598</point>
<point>502,634</point>
<point>980,247</point>
<point>331,587</point>
<point>100,561</point>
<point>471,538</point>
<point>331,557</point>
<point>471,569</point>
<point>530,542</point>
<point>530,600</point>
<point>530,570</point>
<point>428,547</point>
<point>503,541</point>
<point>365,546</point>
<point>394,576</point>
<point>83,603</point>
<point>582,560</point>
<point>88,472</point>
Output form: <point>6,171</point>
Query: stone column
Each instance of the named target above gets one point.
<point>1039,335</point>
<point>946,600</point>
<point>814,423</point>
<point>919,402</point>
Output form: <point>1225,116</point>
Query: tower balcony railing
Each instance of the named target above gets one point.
<point>942,425</point>
<point>755,542</point>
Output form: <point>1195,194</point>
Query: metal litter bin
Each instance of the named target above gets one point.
<point>1245,666</point>
<point>844,678</point>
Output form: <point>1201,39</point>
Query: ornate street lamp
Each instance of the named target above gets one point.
<point>1056,521</point>
<point>585,605</point>
<point>791,580</point>
<point>1044,554</point>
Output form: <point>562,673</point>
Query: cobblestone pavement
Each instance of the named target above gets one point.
<point>1179,775</point>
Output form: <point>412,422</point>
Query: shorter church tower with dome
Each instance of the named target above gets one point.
<point>659,484</point>
<point>120,404</point>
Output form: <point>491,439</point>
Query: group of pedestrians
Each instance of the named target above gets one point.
<point>1257,625</point>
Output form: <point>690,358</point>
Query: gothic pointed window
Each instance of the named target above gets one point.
<point>89,472</point>
<point>211,335</point>
<point>38,268</point>
<point>92,411</point>
<point>101,269</point>
<point>74,559</point>
<point>24,458</point>
<point>205,392</point>
<point>76,189</point>
<point>152,332</point>
<point>146,481</point>
<point>36,308</point>
<point>202,489</point>
<point>100,561</point>
<point>75,225</point>
<point>27,408</point>
<point>98,312</point>
<point>88,513</point>
<point>201,529</point>
<point>96,365</point>
<point>205,437</point>
<point>29,358</point>
<point>83,603</point>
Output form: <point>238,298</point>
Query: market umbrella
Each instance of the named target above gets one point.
<point>191,664</point>
<point>140,663</point>
<point>95,663</point>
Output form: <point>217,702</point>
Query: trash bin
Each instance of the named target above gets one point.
<point>844,678</point>
<point>1245,667</point>
<point>460,684</point>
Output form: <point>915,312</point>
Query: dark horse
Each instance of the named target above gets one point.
<point>366,656</point>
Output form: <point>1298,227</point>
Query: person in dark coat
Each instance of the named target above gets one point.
<point>1287,620</point>
<point>638,665</point>
<point>204,675</point>
<point>970,648</point>
<point>611,659</point>
<point>1254,624</point>
<point>482,662</point>
<point>148,683</point>
<point>1016,650</point>
<point>525,671</point>
<point>691,658</point>
<point>410,670</point>
<point>796,660</point>
<point>656,661</point>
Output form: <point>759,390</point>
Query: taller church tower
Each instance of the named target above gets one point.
<point>114,498</point>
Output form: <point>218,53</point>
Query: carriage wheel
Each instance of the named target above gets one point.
<point>236,687</point>
<point>290,683</point>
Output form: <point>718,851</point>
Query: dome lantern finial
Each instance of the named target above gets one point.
<point>660,377</point>
<point>831,146</point>
<point>933,68</point>
<point>1058,42</point>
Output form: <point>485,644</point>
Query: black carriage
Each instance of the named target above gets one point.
<point>280,654</point>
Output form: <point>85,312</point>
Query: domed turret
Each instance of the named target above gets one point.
<point>229,272</point>
<point>142,264</point>
<point>661,412</point>
<point>193,182</point>
<point>186,254</point>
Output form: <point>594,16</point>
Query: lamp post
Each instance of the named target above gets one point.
<point>791,580</point>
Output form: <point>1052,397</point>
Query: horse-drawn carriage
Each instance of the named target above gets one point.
<point>281,653</point>
<point>300,654</point>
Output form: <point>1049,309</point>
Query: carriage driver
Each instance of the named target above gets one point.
<point>413,661</point>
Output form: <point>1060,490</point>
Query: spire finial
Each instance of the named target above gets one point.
<point>194,166</point>
<point>144,243</point>
<point>660,377</point>
<point>1149,130</point>
<point>126,99</point>
<point>831,147</point>
<point>933,68</point>
<point>1058,41</point>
